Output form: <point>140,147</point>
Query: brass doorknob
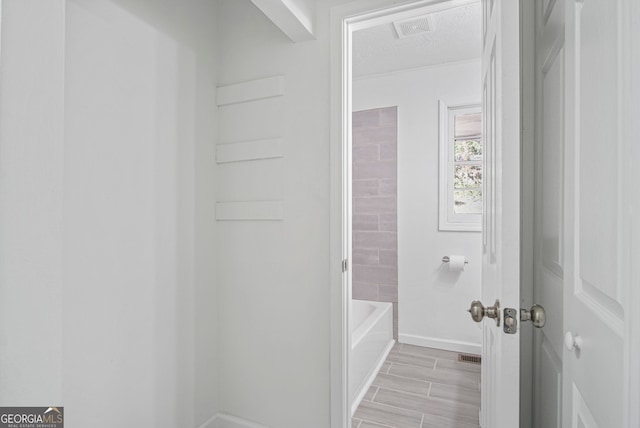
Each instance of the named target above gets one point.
<point>536,315</point>
<point>478,311</point>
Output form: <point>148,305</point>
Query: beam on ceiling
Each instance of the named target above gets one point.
<point>294,18</point>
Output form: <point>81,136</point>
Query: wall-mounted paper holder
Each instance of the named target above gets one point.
<point>445,259</point>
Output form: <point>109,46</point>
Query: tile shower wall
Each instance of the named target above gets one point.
<point>375,206</point>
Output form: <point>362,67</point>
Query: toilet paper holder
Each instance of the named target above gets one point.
<point>446,259</point>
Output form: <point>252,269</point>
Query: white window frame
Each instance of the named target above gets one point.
<point>447,219</point>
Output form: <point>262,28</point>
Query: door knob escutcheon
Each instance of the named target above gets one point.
<point>478,311</point>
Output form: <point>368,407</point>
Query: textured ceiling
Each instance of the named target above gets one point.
<point>456,36</point>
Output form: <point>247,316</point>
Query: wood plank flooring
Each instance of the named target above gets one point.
<point>422,388</point>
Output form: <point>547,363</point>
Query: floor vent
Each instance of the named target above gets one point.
<point>472,359</point>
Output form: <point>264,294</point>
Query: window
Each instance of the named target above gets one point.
<point>460,167</point>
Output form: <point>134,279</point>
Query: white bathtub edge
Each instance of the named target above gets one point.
<point>372,375</point>
<point>381,308</point>
<point>446,344</point>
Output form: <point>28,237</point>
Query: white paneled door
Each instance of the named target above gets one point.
<point>501,228</point>
<point>595,248</point>
<point>549,221</point>
<point>583,244</point>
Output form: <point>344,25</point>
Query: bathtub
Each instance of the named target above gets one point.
<point>371,341</point>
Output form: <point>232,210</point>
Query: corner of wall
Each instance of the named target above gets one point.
<point>206,382</point>
<point>223,420</point>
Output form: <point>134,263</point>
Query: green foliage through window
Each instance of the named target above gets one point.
<point>467,150</point>
<point>467,176</point>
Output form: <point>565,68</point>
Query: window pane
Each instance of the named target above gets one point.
<point>467,150</point>
<point>467,201</point>
<point>467,125</point>
<point>467,176</point>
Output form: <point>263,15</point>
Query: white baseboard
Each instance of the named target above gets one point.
<point>446,344</point>
<point>222,420</point>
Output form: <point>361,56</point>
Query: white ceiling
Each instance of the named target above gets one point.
<point>456,36</point>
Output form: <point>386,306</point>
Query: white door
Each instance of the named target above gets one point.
<point>596,246</point>
<point>501,228</point>
<point>549,266</point>
<point>583,215</point>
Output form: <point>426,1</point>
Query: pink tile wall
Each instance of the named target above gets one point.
<point>375,206</point>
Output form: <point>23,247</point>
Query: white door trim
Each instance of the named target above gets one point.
<point>632,150</point>
<point>527,168</point>
<point>345,19</point>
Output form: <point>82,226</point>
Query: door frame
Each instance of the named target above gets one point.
<point>633,333</point>
<point>527,203</point>
<point>631,152</point>
<point>345,19</point>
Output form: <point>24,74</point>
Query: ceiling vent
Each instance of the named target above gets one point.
<point>413,26</point>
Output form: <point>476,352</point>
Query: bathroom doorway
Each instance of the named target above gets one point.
<point>416,194</point>
<point>501,214</point>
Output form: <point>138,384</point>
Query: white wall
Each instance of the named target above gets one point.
<point>108,122</point>
<point>432,300</point>
<point>273,276</point>
<point>31,211</point>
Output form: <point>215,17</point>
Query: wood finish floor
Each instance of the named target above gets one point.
<point>422,388</point>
